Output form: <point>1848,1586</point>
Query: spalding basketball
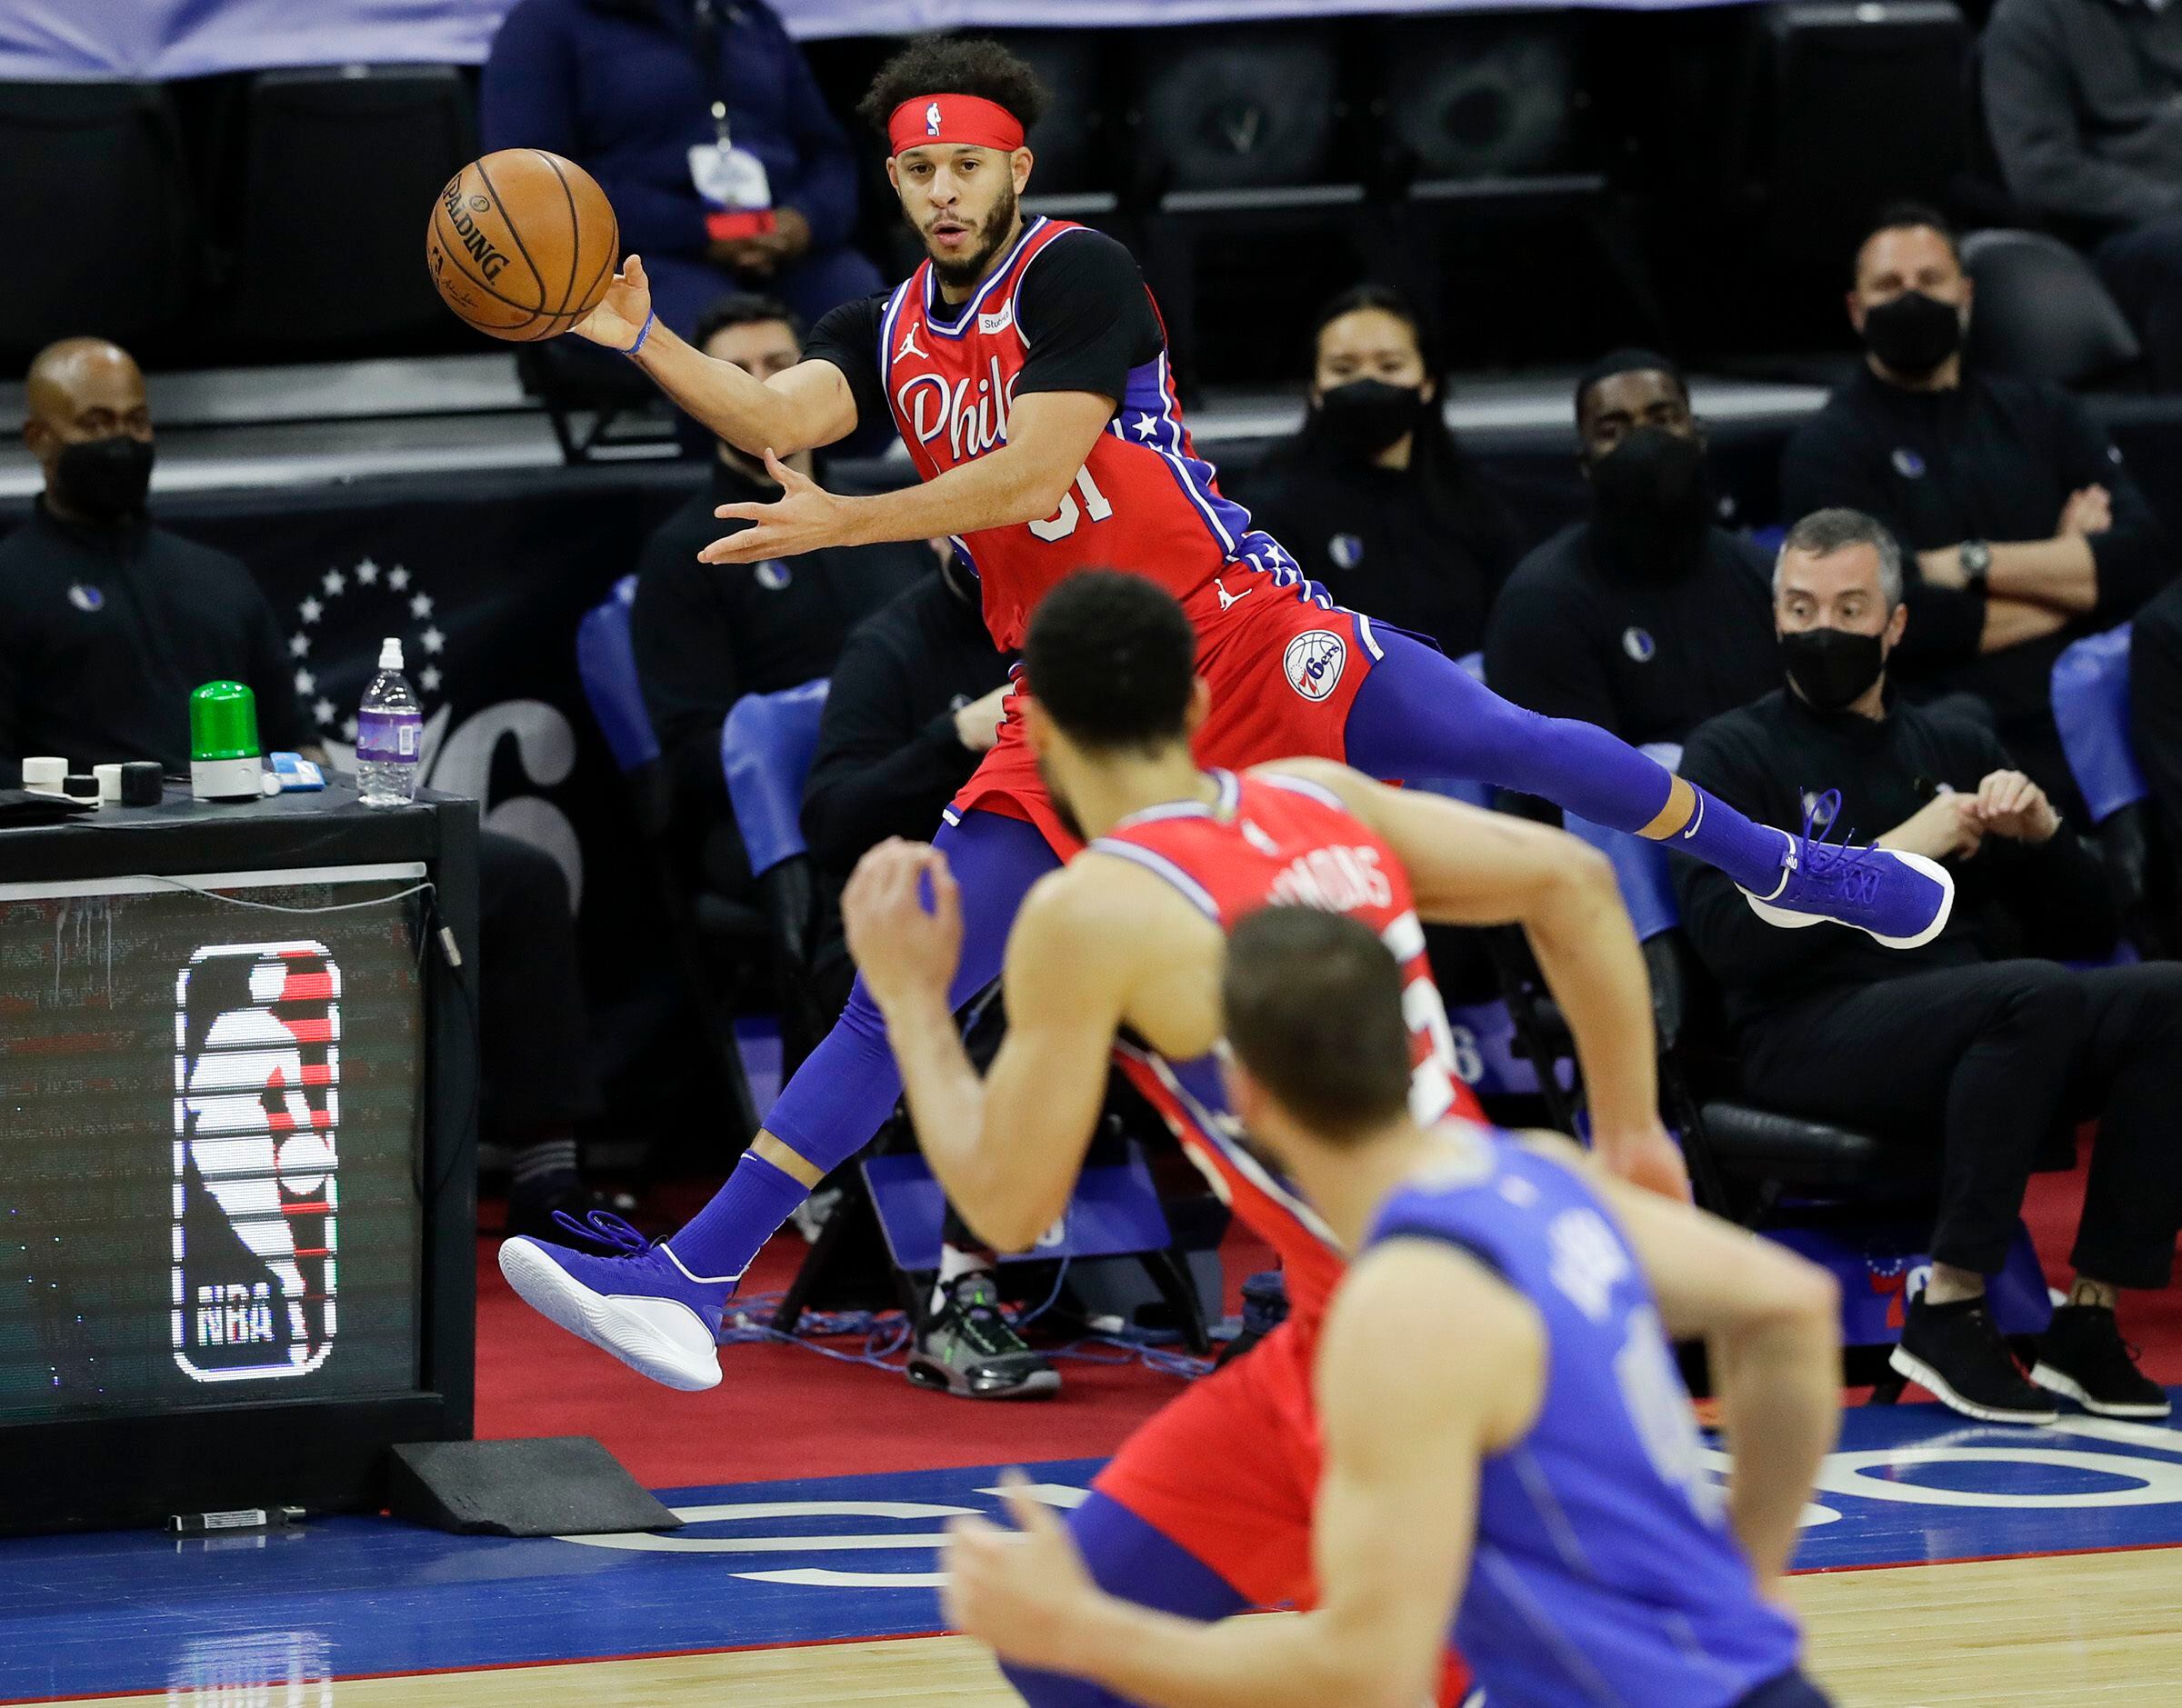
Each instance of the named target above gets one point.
<point>522,244</point>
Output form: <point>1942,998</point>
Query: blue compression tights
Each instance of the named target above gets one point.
<point>1419,715</point>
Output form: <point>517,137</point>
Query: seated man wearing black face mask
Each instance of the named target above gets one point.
<point>1374,495</point>
<point>2025,528</point>
<point>107,623</point>
<point>1961,1040</point>
<point>1649,617</point>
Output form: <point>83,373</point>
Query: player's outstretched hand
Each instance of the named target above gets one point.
<point>622,311</point>
<point>905,951</point>
<point>804,517</point>
<point>1024,1591</point>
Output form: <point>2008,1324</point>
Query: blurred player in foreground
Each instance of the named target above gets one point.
<point>1506,1439</point>
<point>1206,1509</point>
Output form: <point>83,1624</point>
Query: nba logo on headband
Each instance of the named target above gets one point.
<point>932,120</point>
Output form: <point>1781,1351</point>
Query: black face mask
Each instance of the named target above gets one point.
<point>1831,668</point>
<point>1363,418</point>
<point>105,479</point>
<point>1650,502</point>
<point>1913,334</point>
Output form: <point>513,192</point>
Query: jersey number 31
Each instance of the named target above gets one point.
<point>1062,522</point>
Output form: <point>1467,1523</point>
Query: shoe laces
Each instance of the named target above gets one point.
<point>978,1320</point>
<point>603,1227</point>
<point>1835,865</point>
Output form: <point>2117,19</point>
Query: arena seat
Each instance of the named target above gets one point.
<point>1845,105</point>
<point>765,749</point>
<point>368,147</point>
<point>1072,182</point>
<point>2043,314</point>
<point>2091,708</point>
<point>605,664</point>
<point>94,184</point>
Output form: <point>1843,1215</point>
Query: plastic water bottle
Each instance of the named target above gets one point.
<point>390,728</point>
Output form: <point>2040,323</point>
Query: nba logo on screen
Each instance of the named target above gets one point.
<point>256,1198</point>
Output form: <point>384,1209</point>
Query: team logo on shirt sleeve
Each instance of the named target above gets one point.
<point>1314,663</point>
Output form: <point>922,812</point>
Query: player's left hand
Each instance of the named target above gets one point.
<point>904,950</point>
<point>2010,804</point>
<point>804,517</point>
<point>1022,1590</point>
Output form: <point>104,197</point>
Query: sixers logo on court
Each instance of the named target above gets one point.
<point>1314,663</point>
<point>258,1073</point>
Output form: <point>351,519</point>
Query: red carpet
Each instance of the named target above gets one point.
<point>782,1411</point>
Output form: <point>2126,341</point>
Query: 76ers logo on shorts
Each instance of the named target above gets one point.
<point>258,1074</point>
<point>1314,663</point>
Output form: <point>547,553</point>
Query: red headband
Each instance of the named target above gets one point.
<point>926,119</point>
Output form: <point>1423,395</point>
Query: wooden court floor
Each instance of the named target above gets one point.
<point>2045,1632</point>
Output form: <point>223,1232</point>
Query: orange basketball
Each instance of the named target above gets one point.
<point>522,244</point>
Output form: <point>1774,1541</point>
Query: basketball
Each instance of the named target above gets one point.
<point>522,244</point>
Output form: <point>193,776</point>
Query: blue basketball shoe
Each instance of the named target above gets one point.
<point>1903,900</point>
<point>640,1305</point>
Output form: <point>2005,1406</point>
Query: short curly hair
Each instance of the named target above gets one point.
<point>955,64</point>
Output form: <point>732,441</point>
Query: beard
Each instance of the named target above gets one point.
<point>1061,809</point>
<point>968,269</point>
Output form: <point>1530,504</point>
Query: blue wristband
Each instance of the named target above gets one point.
<point>645,334</point>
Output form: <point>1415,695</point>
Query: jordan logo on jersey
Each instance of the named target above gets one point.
<point>908,343</point>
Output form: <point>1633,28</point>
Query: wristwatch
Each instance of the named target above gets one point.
<point>1977,558</point>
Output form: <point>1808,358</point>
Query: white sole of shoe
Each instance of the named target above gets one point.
<point>1789,919</point>
<point>659,1338</point>
<point>1925,1376</point>
<point>2068,1387</point>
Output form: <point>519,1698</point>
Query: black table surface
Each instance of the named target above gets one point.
<point>317,828</point>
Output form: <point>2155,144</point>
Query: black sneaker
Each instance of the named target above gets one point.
<point>2083,1355</point>
<point>968,1348</point>
<point>1957,1351</point>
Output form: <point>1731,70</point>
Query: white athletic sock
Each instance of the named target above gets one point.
<point>953,1263</point>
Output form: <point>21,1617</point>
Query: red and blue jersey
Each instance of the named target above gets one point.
<point>1144,501</point>
<point>1268,841</point>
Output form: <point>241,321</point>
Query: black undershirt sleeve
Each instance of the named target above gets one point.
<point>848,338</point>
<point>1086,317</point>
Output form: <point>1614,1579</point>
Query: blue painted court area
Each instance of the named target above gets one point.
<point>801,1561</point>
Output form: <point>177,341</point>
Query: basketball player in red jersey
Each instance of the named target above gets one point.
<point>1206,1510</point>
<point>1026,368</point>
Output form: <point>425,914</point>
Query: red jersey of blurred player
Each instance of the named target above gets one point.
<point>1272,840</point>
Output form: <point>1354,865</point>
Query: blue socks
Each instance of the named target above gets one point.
<point>725,1234</point>
<point>1751,853</point>
<point>1420,715</point>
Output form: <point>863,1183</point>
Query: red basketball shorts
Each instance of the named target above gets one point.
<point>1283,672</point>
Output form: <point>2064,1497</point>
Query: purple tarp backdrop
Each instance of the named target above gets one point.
<point>44,41</point>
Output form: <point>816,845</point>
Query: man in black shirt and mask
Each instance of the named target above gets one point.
<point>1963,1038</point>
<point>107,623</point>
<point>1374,496</point>
<point>2025,528</point>
<point>706,634</point>
<point>1649,617</point>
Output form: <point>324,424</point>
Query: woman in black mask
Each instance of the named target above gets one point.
<point>1373,496</point>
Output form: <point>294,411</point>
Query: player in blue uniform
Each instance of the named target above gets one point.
<point>1506,1439</point>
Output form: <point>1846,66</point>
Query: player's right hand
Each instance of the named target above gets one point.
<point>1023,1591</point>
<point>622,311</point>
<point>1946,827</point>
<point>905,951</point>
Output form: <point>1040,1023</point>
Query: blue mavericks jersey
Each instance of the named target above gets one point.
<point>1604,1571</point>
